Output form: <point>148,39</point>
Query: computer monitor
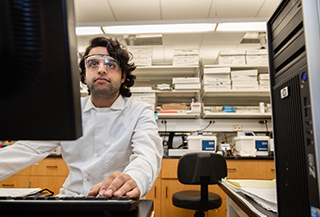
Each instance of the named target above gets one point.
<point>39,82</point>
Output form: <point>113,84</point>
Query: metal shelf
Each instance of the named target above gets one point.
<point>236,115</point>
<point>178,116</point>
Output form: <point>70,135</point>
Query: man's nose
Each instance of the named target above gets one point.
<point>102,68</point>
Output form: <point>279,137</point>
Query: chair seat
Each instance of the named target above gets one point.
<point>191,200</point>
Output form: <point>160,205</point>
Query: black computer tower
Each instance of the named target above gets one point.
<point>294,61</point>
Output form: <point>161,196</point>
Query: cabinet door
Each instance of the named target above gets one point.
<point>50,167</point>
<point>251,169</point>
<point>16,181</point>
<point>222,210</point>
<point>53,183</point>
<point>169,187</point>
<point>155,195</point>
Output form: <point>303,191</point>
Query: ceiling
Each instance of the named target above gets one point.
<point>112,12</point>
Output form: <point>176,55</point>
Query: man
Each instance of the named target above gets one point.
<point>120,151</point>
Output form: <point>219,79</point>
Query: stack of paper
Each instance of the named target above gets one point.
<point>261,191</point>
<point>17,192</point>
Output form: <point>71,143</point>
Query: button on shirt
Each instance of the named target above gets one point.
<point>121,138</point>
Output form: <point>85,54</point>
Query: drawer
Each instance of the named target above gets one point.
<point>169,168</point>
<point>50,167</point>
<point>251,169</point>
<point>16,181</point>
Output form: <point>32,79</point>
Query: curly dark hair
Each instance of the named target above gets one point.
<point>116,51</point>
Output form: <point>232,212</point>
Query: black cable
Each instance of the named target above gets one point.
<point>266,122</point>
<point>42,192</point>
<point>211,122</point>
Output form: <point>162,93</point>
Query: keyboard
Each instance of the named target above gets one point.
<point>84,204</point>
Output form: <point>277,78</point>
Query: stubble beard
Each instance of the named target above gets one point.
<point>104,90</point>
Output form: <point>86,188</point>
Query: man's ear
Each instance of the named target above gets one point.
<point>124,77</point>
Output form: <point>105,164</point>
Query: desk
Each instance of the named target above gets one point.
<point>144,210</point>
<point>236,207</point>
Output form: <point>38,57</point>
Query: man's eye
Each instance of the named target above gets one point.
<point>111,65</point>
<point>93,63</point>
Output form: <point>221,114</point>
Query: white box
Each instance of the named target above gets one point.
<point>216,77</point>
<point>232,52</point>
<point>264,77</point>
<point>257,52</point>
<point>244,77</point>
<point>217,87</point>
<point>245,72</point>
<point>217,70</point>
<point>187,51</point>
<point>216,82</point>
<point>231,57</point>
<point>186,60</point>
<point>252,145</point>
<point>257,60</point>
<point>246,87</point>
<point>185,80</point>
<point>232,60</point>
<point>202,143</point>
<point>187,86</point>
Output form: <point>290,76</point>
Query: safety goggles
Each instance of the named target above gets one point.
<point>92,62</point>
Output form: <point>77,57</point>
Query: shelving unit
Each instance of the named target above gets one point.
<point>148,76</point>
<point>236,97</point>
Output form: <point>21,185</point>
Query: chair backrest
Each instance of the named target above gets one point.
<point>192,166</point>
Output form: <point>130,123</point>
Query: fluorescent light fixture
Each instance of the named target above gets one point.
<point>160,28</point>
<point>89,30</point>
<point>242,27</point>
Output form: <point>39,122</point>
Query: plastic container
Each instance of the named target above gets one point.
<point>252,145</point>
<point>202,143</point>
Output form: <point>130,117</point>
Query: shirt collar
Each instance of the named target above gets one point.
<point>119,104</point>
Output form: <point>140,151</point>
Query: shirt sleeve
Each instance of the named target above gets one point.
<point>22,154</point>
<point>145,161</point>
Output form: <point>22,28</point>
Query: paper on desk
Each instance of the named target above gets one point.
<point>17,192</point>
<point>266,197</point>
<point>261,191</point>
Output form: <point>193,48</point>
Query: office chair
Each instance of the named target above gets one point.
<point>199,168</point>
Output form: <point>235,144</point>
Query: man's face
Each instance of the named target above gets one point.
<point>103,73</point>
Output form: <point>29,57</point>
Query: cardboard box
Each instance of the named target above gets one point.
<point>174,107</point>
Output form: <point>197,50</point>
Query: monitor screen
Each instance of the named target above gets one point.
<point>39,82</point>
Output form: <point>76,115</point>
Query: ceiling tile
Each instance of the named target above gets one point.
<point>268,8</point>
<point>92,11</point>
<point>222,38</point>
<point>185,9</point>
<point>181,39</point>
<point>128,10</point>
<point>235,8</point>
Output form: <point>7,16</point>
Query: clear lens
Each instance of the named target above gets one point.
<point>93,62</point>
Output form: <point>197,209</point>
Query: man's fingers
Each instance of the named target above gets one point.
<point>127,186</point>
<point>116,184</point>
<point>95,189</point>
<point>134,194</point>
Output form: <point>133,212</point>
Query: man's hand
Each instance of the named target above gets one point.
<point>116,184</point>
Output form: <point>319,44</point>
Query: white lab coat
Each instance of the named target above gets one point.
<point>122,138</point>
